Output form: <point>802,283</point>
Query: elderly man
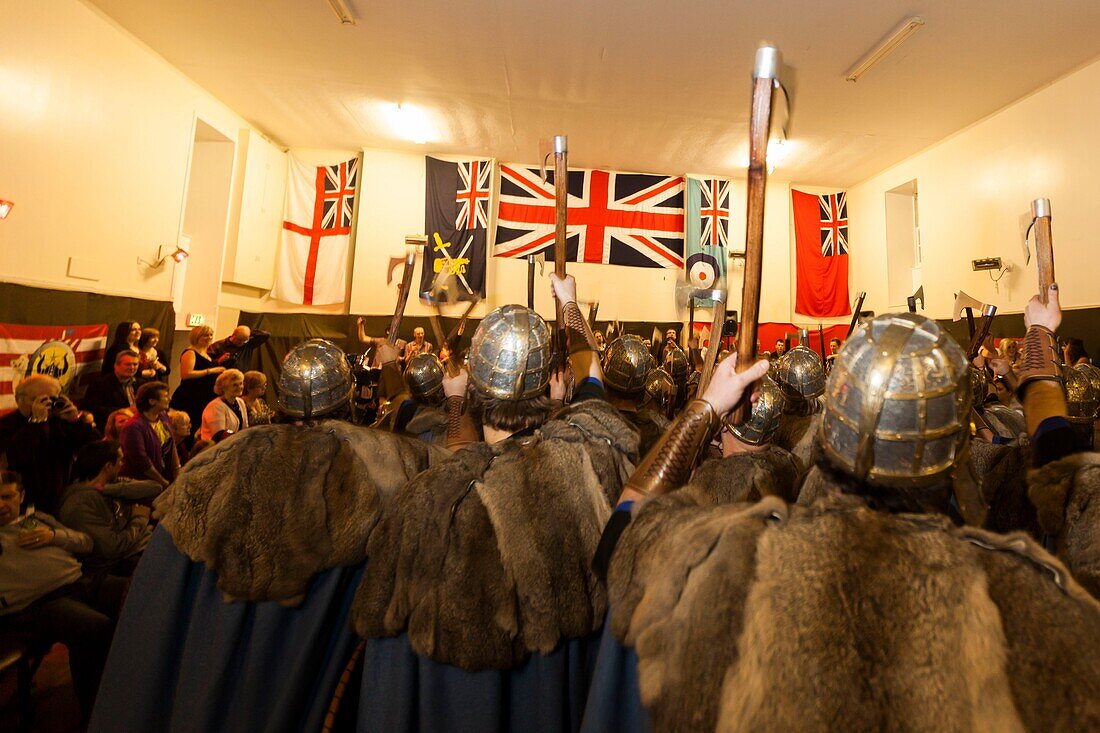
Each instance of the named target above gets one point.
<point>40,438</point>
<point>415,347</point>
<point>237,347</point>
<point>114,390</point>
<point>43,594</point>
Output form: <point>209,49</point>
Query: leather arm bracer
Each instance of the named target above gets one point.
<point>461,429</point>
<point>577,329</point>
<point>669,463</point>
<point>1040,361</point>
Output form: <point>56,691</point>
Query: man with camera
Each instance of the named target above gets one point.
<point>41,437</point>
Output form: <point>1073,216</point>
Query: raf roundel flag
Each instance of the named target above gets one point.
<point>821,253</point>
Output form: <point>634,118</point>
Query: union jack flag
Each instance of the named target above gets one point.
<point>341,180</point>
<point>834,224</point>
<point>631,219</point>
<point>715,212</point>
<point>474,185</point>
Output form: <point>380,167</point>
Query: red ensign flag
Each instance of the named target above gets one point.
<point>821,252</point>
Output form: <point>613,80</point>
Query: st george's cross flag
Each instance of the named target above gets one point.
<point>70,354</point>
<point>632,219</point>
<point>313,255</point>
<point>707,229</point>
<point>456,221</point>
<point>821,253</point>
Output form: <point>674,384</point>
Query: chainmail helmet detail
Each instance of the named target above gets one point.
<point>979,385</point>
<point>897,403</point>
<point>659,387</point>
<point>315,379</point>
<point>424,375</point>
<point>1092,372</point>
<point>626,364</point>
<point>767,415</point>
<point>510,354</point>
<point>677,366</point>
<point>800,374</point>
<point>1081,396</point>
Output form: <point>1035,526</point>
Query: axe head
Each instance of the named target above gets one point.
<point>1026,222</point>
<point>540,258</point>
<point>394,262</point>
<point>962,302</point>
<point>546,149</point>
<point>686,291</point>
<point>911,301</point>
<point>441,291</point>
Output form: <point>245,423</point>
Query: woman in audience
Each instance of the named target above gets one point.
<point>181,431</point>
<point>227,411</point>
<point>112,429</point>
<point>127,335</point>
<point>197,375</point>
<point>255,387</point>
<point>152,360</point>
<point>148,447</point>
<point>1009,349</point>
<point>1073,352</point>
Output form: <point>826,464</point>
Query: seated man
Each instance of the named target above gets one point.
<point>479,605</point>
<point>40,437</point>
<point>42,593</point>
<point>112,390</point>
<point>119,531</point>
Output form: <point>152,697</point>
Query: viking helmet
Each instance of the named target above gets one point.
<point>767,414</point>
<point>626,364</point>
<point>424,375</point>
<point>800,374</point>
<point>510,354</point>
<point>897,402</point>
<point>659,387</point>
<point>1081,396</point>
<point>979,385</point>
<point>315,379</point>
<point>677,366</point>
<point>1092,372</point>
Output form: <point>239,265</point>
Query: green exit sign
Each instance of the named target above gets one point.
<point>195,319</point>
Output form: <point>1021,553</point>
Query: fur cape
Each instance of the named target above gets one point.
<point>486,558</point>
<point>772,617</point>
<point>271,506</point>
<point>1066,495</point>
<point>797,434</point>
<point>750,476</point>
<point>651,426</point>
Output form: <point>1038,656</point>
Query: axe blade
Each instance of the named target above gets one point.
<point>394,262</point>
<point>962,302</point>
<point>685,292</point>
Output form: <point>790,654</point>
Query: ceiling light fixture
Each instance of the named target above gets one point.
<point>166,252</point>
<point>411,123</point>
<point>5,208</point>
<point>343,14</point>
<point>885,48</point>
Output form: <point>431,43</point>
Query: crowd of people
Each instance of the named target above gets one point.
<point>523,508</point>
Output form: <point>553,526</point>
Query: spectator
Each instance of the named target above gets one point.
<point>40,437</point>
<point>153,361</point>
<point>1073,352</point>
<point>181,431</point>
<point>255,387</point>
<point>127,335</point>
<point>415,347</point>
<point>119,532</point>
<point>235,349</point>
<point>43,594</point>
<point>197,375</point>
<point>112,430</point>
<point>1009,350</point>
<point>114,390</point>
<point>148,448</point>
<point>227,411</point>
<point>780,347</point>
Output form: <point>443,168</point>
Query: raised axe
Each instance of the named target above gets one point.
<point>855,313</point>
<point>560,150</point>
<point>966,305</point>
<point>765,77</point>
<point>911,301</point>
<point>687,293</point>
<point>412,241</point>
<point>1044,246</point>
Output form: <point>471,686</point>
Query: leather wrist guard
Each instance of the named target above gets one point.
<point>461,430</point>
<point>669,463</point>
<point>1040,361</point>
<point>577,329</point>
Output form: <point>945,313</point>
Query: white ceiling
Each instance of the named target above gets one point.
<point>649,85</point>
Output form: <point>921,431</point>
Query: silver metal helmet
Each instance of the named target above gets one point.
<point>659,387</point>
<point>677,365</point>
<point>315,379</point>
<point>767,414</point>
<point>1092,372</point>
<point>626,364</point>
<point>979,385</point>
<point>424,375</point>
<point>897,403</point>
<point>800,374</point>
<point>510,354</point>
<point>1081,396</point>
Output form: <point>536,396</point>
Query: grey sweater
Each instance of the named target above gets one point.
<point>28,574</point>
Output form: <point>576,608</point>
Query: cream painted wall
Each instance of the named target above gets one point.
<point>975,190</point>
<point>204,222</point>
<point>95,139</point>
<point>392,206</point>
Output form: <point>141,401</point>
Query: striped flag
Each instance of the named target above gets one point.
<point>72,354</point>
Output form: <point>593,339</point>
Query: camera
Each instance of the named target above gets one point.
<point>58,404</point>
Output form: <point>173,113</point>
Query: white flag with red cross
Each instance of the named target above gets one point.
<point>313,257</point>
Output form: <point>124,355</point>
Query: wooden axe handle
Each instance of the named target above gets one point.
<point>1044,256</point>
